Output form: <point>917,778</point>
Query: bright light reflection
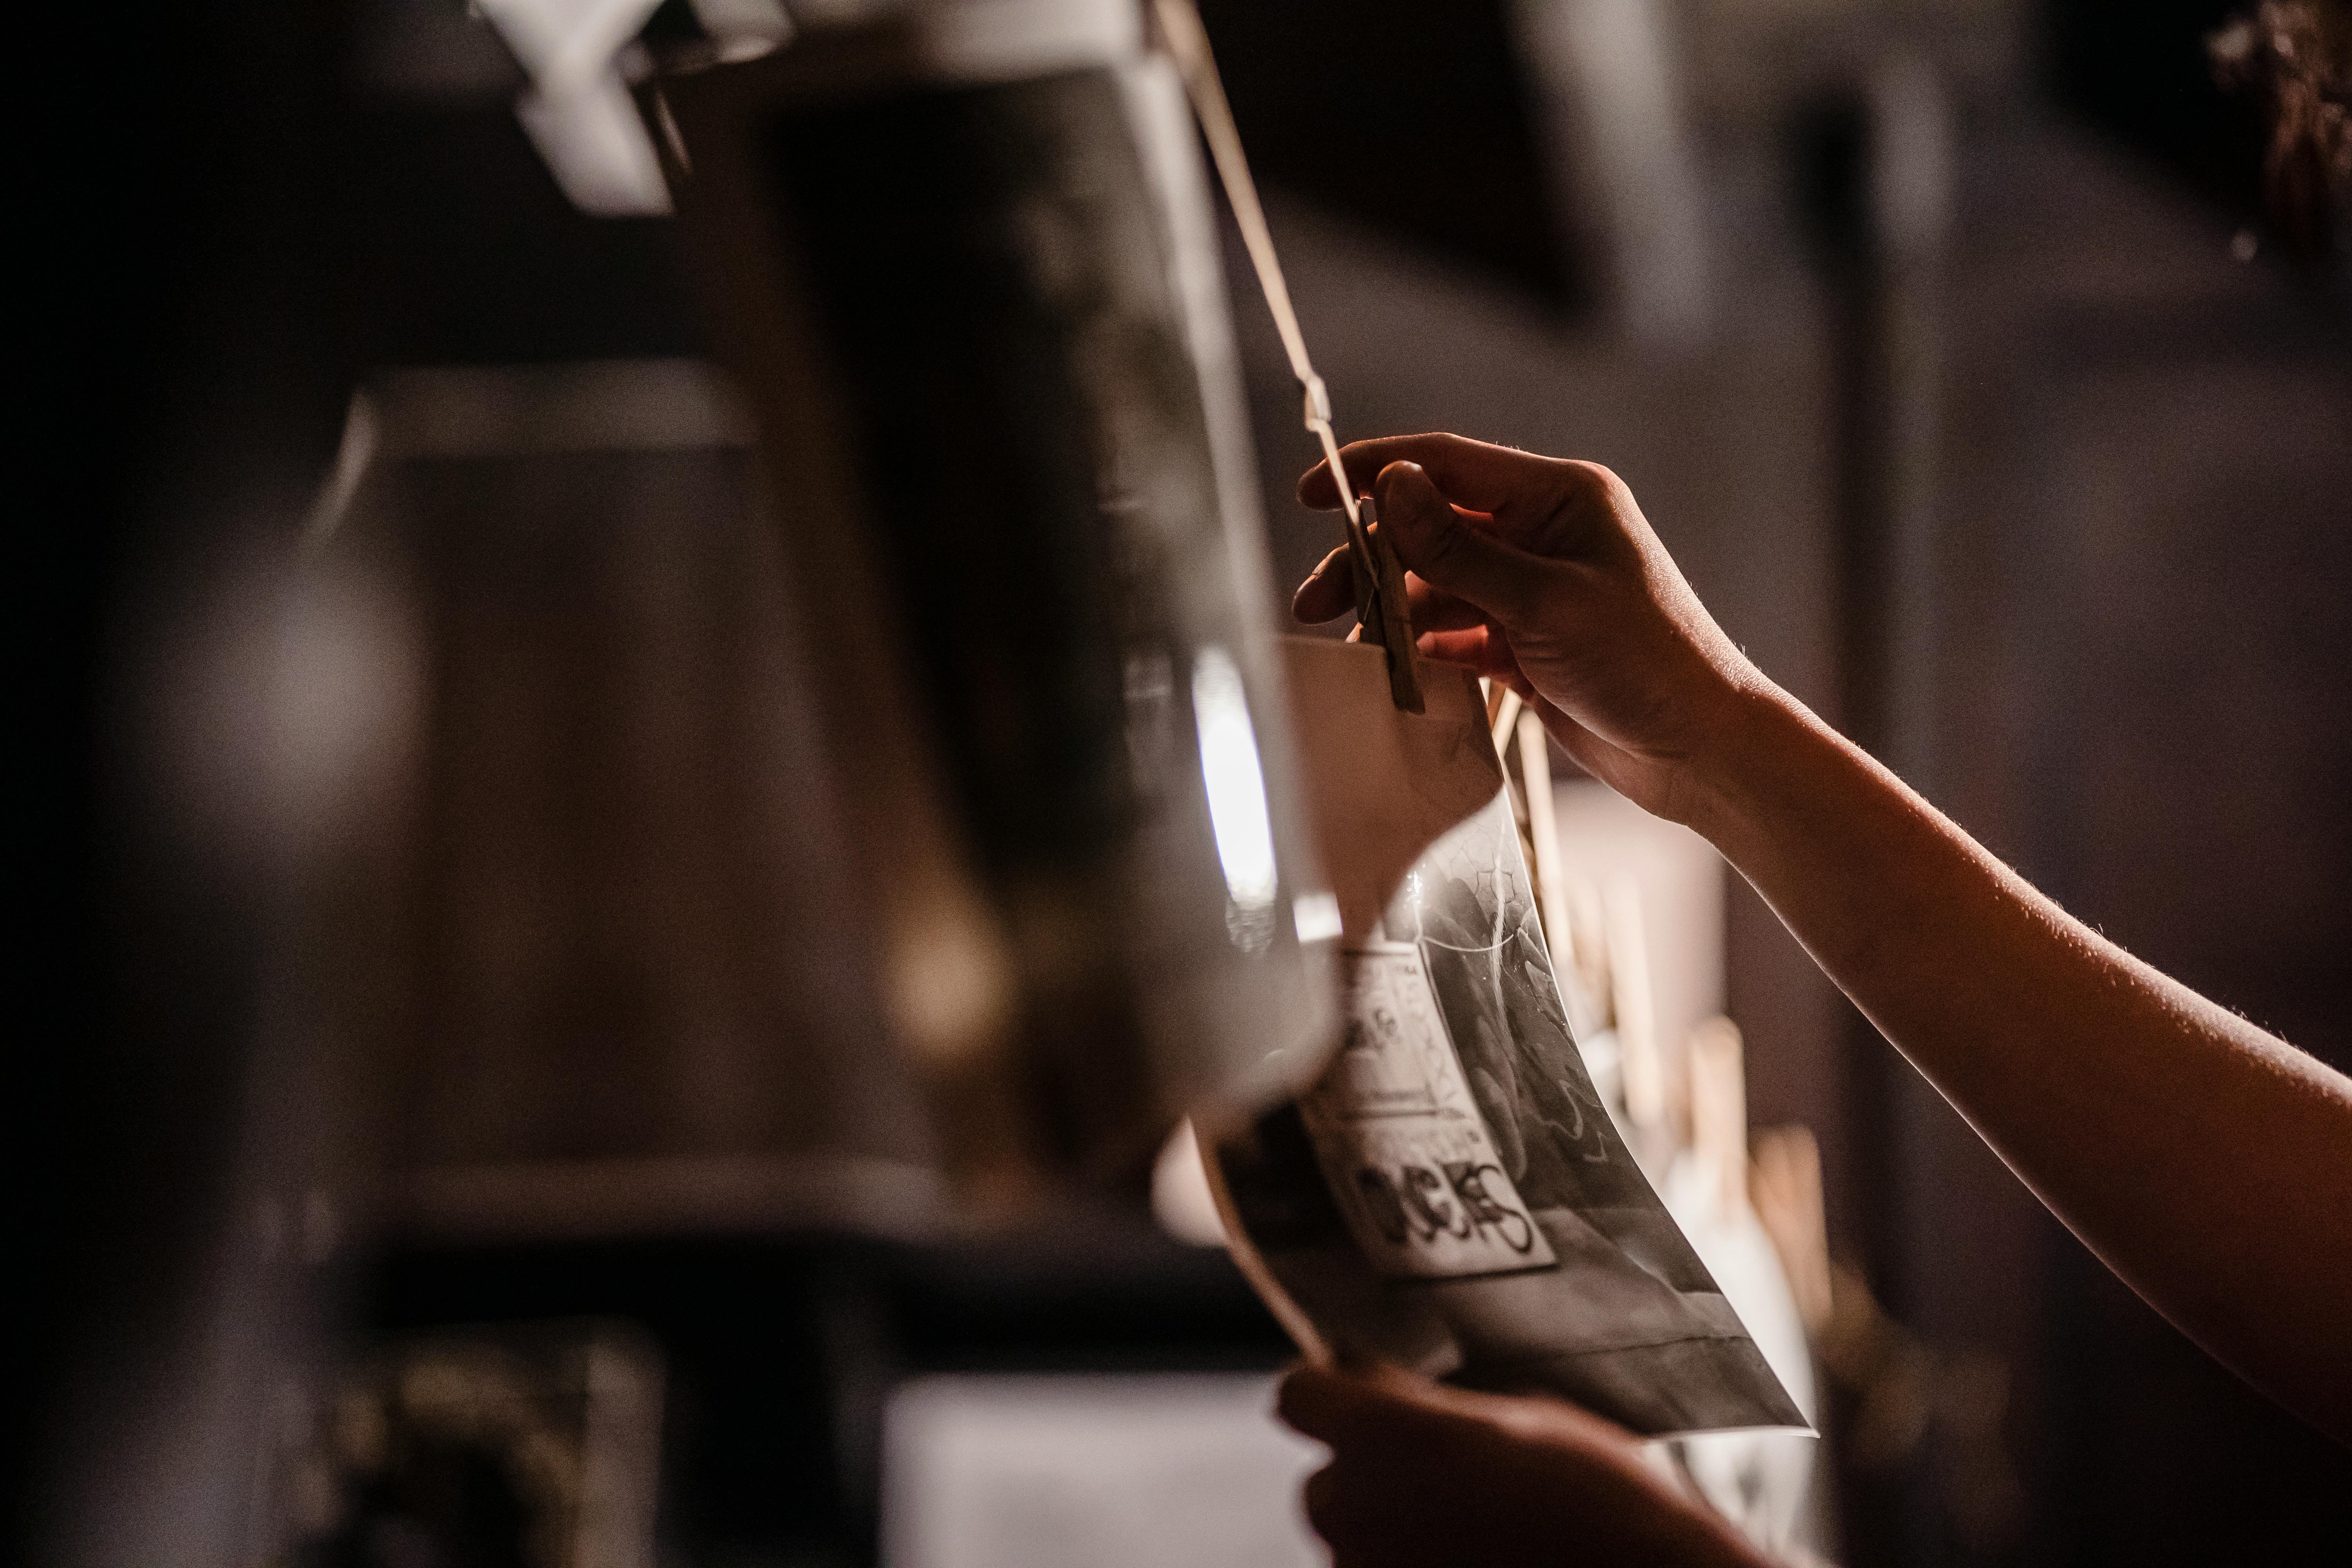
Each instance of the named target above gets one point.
<point>1237,784</point>
<point>1317,916</point>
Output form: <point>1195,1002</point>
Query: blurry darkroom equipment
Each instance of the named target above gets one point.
<point>726,830</point>
<point>1154,1470</point>
<point>854,800</point>
<point>964,268</point>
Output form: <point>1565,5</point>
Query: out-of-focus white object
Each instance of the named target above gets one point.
<point>1614,117</point>
<point>1083,1471</point>
<point>1634,1002</point>
<point>1181,1197</point>
<point>743,29</point>
<point>1651,893</point>
<point>578,110</point>
<point>1761,1482</point>
<point>1236,786</point>
<point>1180,1200</point>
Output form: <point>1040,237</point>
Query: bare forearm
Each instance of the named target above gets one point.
<point>2207,1163</point>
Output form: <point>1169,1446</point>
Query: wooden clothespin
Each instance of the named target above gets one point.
<point>1382,616</point>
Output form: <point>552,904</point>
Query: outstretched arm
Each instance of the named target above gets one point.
<point>2207,1163</point>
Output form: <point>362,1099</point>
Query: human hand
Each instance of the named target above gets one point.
<point>1542,573</point>
<point>1422,1475</point>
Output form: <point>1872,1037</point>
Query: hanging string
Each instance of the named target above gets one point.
<point>1180,23</point>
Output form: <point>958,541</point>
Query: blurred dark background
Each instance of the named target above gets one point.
<point>1949,345</point>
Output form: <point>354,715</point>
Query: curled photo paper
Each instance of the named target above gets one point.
<point>1394,1125</point>
<point>1452,1195</point>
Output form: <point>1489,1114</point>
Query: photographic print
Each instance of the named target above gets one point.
<point>1452,1194</point>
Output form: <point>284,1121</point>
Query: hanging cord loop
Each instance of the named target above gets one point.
<point>1380,578</point>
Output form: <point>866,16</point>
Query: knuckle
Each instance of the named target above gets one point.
<point>1440,540</point>
<point>1585,481</point>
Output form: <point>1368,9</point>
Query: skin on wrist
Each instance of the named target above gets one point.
<point>1752,732</point>
<point>1818,828</point>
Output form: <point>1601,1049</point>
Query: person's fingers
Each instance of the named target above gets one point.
<point>1320,1403</point>
<point>1375,1515</point>
<point>1332,1406</point>
<point>1560,1426</point>
<point>1336,1405</point>
<point>1478,647</point>
<point>1330,591</point>
<point>1471,473</point>
<point>1395,1390</point>
<point>1449,554</point>
<point>1434,610</point>
<point>1477,650</point>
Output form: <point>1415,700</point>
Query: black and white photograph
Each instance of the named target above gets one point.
<point>1452,1194</point>
<point>1182,783</point>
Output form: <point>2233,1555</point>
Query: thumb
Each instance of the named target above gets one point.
<point>1448,553</point>
<point>1341,1406</point>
